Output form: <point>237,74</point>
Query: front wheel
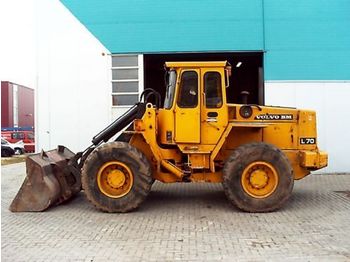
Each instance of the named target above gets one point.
<point>116,177</point>
<point>258,177</point>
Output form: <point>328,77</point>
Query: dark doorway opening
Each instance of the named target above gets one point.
<point>247,72</point>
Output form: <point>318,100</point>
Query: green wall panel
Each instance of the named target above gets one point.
<point>307,40</point>
<point>302,39</point>
<point>172,26</point>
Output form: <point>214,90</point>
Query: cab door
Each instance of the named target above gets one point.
<point>214,110</point>
<point>187,109</point>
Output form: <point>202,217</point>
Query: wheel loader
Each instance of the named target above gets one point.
<point>255,151</point>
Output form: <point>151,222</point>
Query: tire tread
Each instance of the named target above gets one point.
<point>139,191</point>
<point>236,159</point>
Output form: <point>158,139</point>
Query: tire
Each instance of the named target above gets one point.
<point>120,158</point>
<point>5,153</point>
<point>258,177</point>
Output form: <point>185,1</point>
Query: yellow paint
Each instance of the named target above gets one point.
<point>166,124</point>
<point>294,159</point>
<point>259,179</point>
<point>172,168</point>
<point>282,135</point>
<point>307,127</point>
<point>242,135</point>
<point>115,179</point>
<point>219,147</point>
<point>199,161</point>
<point>313,159</point>
<point>198,140</point>
<point>139,125</point>
<point>197,64</point>
<point>213,127</point>
<point>261,112</point>
<point>210,177</point>
<point>187,120</point>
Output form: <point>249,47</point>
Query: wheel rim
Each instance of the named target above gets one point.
<point>259,179</point>
<point>115,179</point>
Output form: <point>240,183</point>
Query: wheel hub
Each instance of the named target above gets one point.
<point>258,179</point>
<point>116,178</point>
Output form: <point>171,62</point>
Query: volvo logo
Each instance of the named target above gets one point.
<point>274,117</point>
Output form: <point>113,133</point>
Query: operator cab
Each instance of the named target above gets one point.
<point>195,102</point>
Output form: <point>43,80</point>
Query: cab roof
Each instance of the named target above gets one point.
<point>193,64</point>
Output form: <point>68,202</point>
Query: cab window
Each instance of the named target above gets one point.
<point>188,93</point>
<point>212,89</point>
<point>170,88</point>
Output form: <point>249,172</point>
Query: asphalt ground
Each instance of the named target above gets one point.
<point>182,222</point>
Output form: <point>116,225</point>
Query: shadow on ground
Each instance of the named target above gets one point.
<point>208,196</point>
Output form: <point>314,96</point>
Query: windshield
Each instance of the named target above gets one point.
<point>170,89</point>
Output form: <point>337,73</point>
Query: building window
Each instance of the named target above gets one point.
<point>125,80</point>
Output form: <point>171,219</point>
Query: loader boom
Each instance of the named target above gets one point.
<point>54,176</point>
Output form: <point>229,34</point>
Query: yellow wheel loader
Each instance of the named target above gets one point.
<point>255,151</point>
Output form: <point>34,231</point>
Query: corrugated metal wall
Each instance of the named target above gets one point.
<point>166,25</point>
<point>307,40</point>
<point>24,109</point>
<point>6,104</point>
<point>303,40</point>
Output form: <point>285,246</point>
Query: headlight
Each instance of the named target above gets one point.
<point>246,111</point>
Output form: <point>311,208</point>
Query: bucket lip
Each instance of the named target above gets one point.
<point>49,181</point>
<point>40,190</point>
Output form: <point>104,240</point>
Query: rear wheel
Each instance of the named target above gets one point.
<point>116,177</point>
<point>258,177</point>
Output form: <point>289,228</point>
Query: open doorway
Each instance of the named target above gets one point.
<point>247,72</point>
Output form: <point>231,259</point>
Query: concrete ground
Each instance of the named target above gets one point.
<point>187,222</point>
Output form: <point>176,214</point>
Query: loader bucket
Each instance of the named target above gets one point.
<point>52,178</point>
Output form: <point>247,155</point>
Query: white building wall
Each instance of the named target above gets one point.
<point>73,97</point>
<point>331,102</point>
